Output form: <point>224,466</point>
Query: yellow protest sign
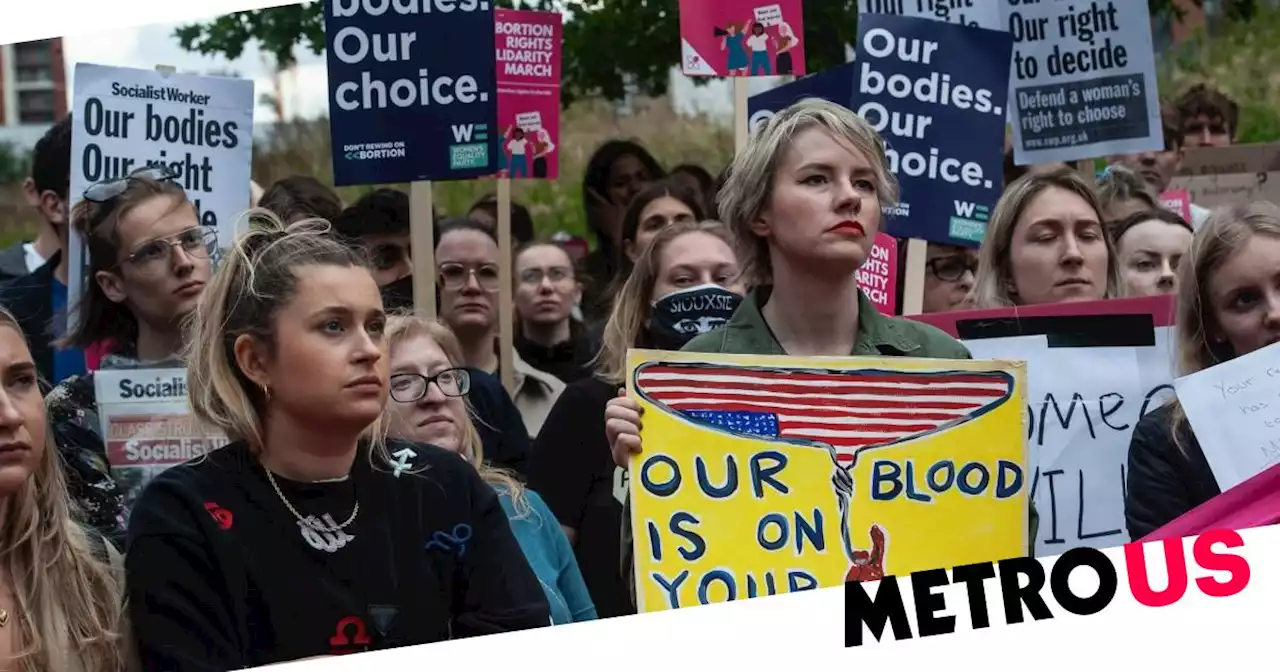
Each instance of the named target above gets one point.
<point>764,475</point>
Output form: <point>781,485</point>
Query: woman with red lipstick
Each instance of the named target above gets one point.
<point>804,198</point>
<point>1047,243</point>
<point>310,533</point>
<point>149,261</point>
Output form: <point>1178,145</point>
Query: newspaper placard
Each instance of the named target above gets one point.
<point>1082,80</point>
<point>199,127</point>
<point>147,425</point>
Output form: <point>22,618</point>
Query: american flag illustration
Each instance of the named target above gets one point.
<point>850,411</point>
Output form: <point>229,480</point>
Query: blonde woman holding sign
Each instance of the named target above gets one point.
<point>804,198</point>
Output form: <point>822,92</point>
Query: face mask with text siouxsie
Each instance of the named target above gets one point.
<point>679,316</point>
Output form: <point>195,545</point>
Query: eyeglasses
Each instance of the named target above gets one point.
<point>456,276</point>
<point>952,268</point>
<point>407,388</point>
<point>103,192</point>
<point>198,242</point>
<point>556,274</point>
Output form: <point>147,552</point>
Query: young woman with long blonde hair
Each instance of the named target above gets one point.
<point>61,584</point>
<point>310,534</point>
<point>1047,243</point>
<point>1228,306</point>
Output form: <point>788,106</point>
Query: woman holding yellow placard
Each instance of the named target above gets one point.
<point>804,199</point>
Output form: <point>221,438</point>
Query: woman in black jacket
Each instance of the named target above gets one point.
<point>1228,306</point>
<point>310,534</point>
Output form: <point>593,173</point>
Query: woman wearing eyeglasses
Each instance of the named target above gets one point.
<point>547,335</point>
<point>149,262</point>
<point>948,285</point>
<point>428,392</point>
<point>467,264</point>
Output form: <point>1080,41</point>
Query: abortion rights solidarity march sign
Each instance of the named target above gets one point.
<point>528,93</point>
<point>1083,80</point>
<point>980,13</point>
<point>741,38</point>
<point>201,128</point>
<point>919,83</point>
<point>412,90</point>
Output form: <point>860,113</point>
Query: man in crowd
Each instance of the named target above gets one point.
<point>27,256</point>
<point>380,222</point>
<point>1159,167</point>
<point>1209,117</point>
<point>301,197</point>
<point>39,299</point>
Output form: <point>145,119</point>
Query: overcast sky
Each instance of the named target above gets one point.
<point>148,46</point>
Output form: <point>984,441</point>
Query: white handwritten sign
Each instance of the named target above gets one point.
<point>1234,408</point>
<point>1083,403</point>
<point>770,15</point>
<point>529,121</point>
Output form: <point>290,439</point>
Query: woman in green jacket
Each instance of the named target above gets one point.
<point>805,199</point>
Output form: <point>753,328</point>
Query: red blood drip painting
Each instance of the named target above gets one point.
<point>846,412</point>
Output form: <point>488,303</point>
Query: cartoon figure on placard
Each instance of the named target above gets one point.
<point>517,147</point>
<point>787,41</point>
<point>846,413</point>
<point>542,147</point>
<point>734,42</point>
<point>759,44</point>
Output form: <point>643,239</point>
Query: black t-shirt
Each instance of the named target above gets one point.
<point>221,575</point>
<point>574,472</point>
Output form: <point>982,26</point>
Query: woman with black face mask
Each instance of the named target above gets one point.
<point>686,282</point>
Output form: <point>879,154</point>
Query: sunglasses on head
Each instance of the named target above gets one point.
<point>107,190</point>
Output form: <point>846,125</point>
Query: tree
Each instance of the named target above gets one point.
<point>606,43</point>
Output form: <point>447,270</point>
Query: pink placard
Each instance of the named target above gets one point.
<point>1177,200</point>
<point>741,38</point>
<point>528,46</point>
<point>878,277</point>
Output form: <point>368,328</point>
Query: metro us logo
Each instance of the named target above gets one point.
<point>1022,587</point>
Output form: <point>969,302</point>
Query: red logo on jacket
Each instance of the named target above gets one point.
<point>220,515</point>
<point>350,636</point>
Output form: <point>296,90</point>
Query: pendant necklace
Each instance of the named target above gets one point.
<point>307,521</point>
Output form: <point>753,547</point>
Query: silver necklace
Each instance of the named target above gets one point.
<point>311,521</point>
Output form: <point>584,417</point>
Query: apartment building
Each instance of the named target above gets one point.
<point>33,89</point>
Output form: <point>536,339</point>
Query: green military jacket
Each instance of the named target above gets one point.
<point>747,333</point>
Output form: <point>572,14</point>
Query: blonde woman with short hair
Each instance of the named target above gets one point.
<point>429,386</point>
<point>805,199</point>
<point>1047,243</point>
<point>61,585</point>
<point>1228,306</point>
<point>310,533</point>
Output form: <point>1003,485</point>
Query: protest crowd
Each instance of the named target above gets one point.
<point>368,430</point>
